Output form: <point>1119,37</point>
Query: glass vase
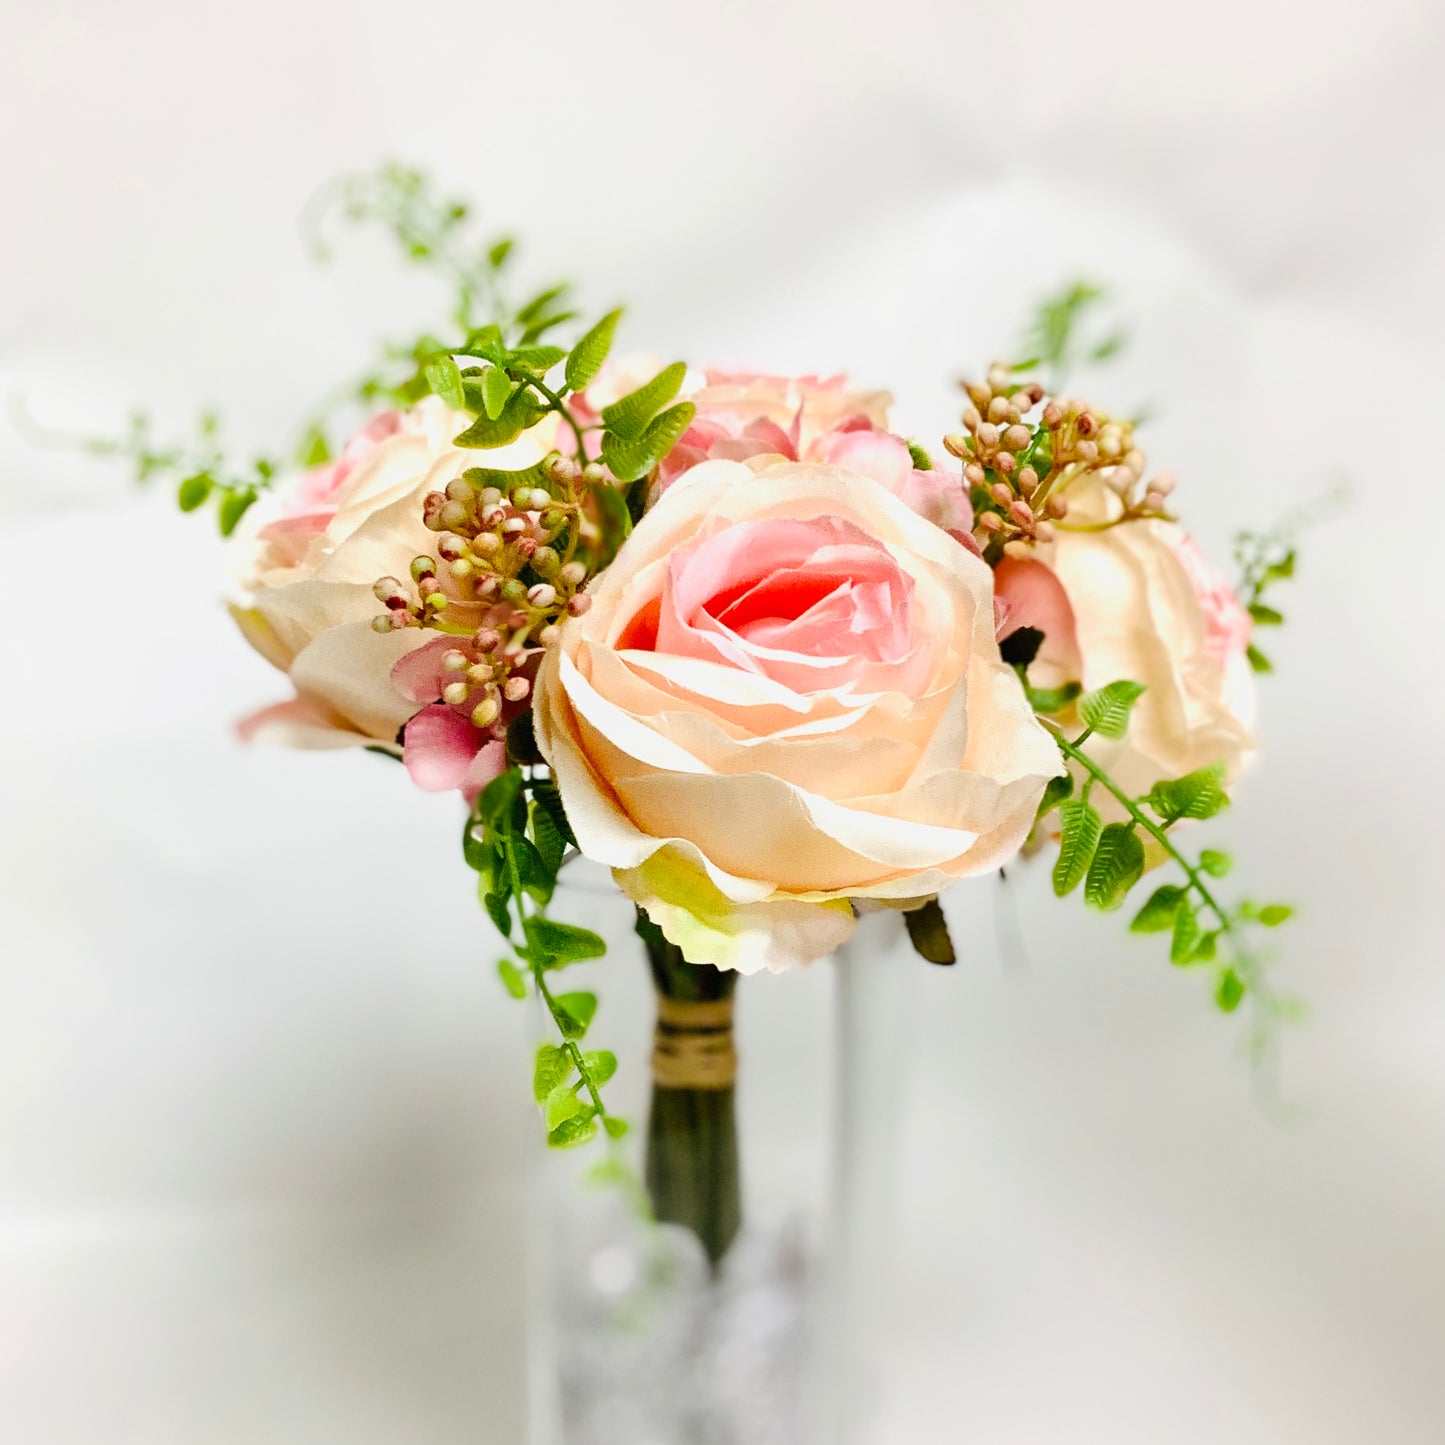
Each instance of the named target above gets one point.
<point>740,1309</point>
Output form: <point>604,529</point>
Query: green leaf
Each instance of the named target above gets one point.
<point>523,410</point>
<point>1282,568</point>
<point>1265,616</point>
<point>496,804</point>
<point>1049,700</point>
<point>615,519</point>
<point>1230,991</point>
<point>512,978</point>
<point>629,416</point>
<point>495,902</point>
<point>615,1127</point>
<point>601,1065</point>
<point>1199,794</point>
<point>539,303</point>
<point>497,256</point>
<point>445,380</point>
<point>1186,934</point>
<point>928,932</point>
<point>1215,863</point>
<point>544,324</point>
<point>563,943</point>
<point>234,506</point>
<point>575,1013</point>
<point>313,451</point>
<point>539,360</point>
<point>561,1103</point>
<point>1273,914</point>
<point>574,1131</point>
<point>547,838</point>
<point>538,880</point>
<point>1080,829</point>
<point>589,353</point>
<point>1118,865</point>
<point>1054,793</point>
<point>553,1067</point>
<point>1257,660</point>
<point>1207,947</point>
<point>545,792</point>
<point>919,457</point>
<point>630,460</point>
<point>193,492</point>
<point>497,389</point>
<point>1107,709</point>
<point>1158,913</point>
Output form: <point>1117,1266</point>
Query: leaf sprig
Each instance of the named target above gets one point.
<point>1109,858</point>
<point>516,839</point>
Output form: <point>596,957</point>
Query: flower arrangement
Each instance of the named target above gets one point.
<point>767,660</point>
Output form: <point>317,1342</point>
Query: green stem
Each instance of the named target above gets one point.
<point>560,407</point>
<point>584,1074</point>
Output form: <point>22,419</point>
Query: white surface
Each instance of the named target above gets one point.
<point>261,1101</point>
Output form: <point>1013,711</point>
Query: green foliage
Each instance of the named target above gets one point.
<point>590,352</point>
<point>515,839</point>
<point>1080,830</point>
<point>1117,865</point>
<point>1199,795</point>
<point>627,418</point>
<point>928,933</point>
<point>1106,711</point>
<point>1056,338</point>
<point>1157,915</point>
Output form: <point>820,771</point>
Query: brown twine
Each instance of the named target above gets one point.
<point>692,1047</point>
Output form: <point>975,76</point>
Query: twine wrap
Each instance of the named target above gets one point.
<point>692,1047</point>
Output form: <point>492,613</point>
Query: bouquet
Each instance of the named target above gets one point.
<point>733,637</point>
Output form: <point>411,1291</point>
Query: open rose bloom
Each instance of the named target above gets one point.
<point>786,695</point>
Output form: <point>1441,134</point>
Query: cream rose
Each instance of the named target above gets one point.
<point>1139,601</point>
<point>312,565</point>
<point>786,694</point>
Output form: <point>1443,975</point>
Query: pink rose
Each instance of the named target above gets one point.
<point>312,566</point>
<point>1139,601</point>
<point>786,695</point>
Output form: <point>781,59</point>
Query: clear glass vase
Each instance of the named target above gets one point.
<point>746,1316</point>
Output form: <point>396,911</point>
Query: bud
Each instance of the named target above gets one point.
<point>437,601</point>
<point>1163,484</point>
<point>458,490</point>
<point>988,436</point>
<point>513,590</point>
<point>1057,507</point>
<point>552,520</point>
<point>971,419</point>
<point>494,515</point>
<point>514,525</point>
<point>450,547</point>
<point>574,574</point>
<point>422,567</point>
<point>486,712</point>
<point>1017,438</point>
<point>594,473</point>
<point>1028,481</point>
<point>990,522</point>
<point>1087,451</point>
<point>978,394</point>
<point>383,623</point>
<point>521,497</point>
<point>487,639</point>
<point>1002,494</point>
<point>1044,531</point>
<point>1053,415</point>
<point>539,499</point>
<point>1004,462</point>
<point>549,634</point>
<point>526,547</point>
<point>544,560</point>
<point>385,588</point>
<point>974,474</point>
<point>1022,515</point>
<point>455,660</point>
<point>998,408</point>
<point>999,376</point>
<point>486,543</point>
<point>1120,481</point>
<point>461,569</point>
<point>1153,501</point>
<point>1087,424</point>
<point>956,445</point>
<point>516,688</point>
<point>542,595</point>
<point>454,694</point>
<point>579,604</point>
<point>490,497</point>
<point>453,515</point>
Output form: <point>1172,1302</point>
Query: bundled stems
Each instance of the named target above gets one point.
<point>691,1171</point>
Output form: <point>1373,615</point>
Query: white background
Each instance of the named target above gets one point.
<point>262,1130</point>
